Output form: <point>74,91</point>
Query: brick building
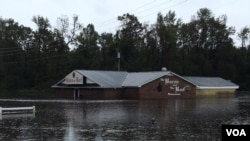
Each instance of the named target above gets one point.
<point>92,84</point>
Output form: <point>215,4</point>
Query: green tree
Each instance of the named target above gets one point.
<point>88,52</point>
<point>13,42</point>
<point>244,36</point>
<point>130,41</point>
<point>167,34</point>
<point>109,60</point>
<point>40,47</point>
<point>68,30</point>
<point>210,45</point>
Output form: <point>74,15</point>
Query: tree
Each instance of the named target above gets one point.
<point>130,38</point>
<point>210,45</point>
<point>108,47</point>
<point>14,39</point>
<point>69,33</point>
<point>167,29</point>
<point>88,51</point>
<point>152,58</point>
<point>244,36</point>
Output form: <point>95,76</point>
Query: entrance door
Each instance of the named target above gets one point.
<point>76,94</point>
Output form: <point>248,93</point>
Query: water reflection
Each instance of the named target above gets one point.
<point>189,119</point>
<point>14,116</point>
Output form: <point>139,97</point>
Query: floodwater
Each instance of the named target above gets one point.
<point>151,120</point>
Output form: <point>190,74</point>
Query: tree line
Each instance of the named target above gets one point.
<point>38,58</point>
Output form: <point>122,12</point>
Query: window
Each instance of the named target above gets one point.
<point>159,87</point>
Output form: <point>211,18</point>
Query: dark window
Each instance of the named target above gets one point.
<point>159,87</point>
<point>84,80</point>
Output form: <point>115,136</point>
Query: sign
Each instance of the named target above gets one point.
<point>168,81</point>
<point>174,86</point>
<point>73,78</point>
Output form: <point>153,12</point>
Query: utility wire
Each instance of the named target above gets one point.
<point>9,48</point>
<point>179,3</point>
<point>21,49</point>
<point>11,51</point>
<point>141,17</point>
<point>33,60</point>
<point>17,51</point>
<point>114,20</point>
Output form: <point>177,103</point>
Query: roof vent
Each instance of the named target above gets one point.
<point>163,69</point>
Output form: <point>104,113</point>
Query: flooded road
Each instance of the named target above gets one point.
<point>173,120</point>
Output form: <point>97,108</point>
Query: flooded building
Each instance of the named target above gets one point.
<point>92,84</point>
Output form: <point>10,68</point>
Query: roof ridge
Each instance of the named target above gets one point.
<point>99,70</point>
<point>124,79</point>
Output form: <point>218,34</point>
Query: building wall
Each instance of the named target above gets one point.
<point>215,93</point>
<point>89,94</point>
<point>130,93</point>
<point>100,94</point>
<point>65,93</point>
<point>167,87</point>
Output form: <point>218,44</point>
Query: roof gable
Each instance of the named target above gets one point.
<point>73,78</point>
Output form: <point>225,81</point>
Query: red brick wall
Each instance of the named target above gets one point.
<point>170,87</point>
<point>100,93</point>
<point>65,93</point>
<point>130,93</point>
<point>89,93</point>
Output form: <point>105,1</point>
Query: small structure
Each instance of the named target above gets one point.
<point>33,108</point>
<point>17,110</point>
<point>92,84</point>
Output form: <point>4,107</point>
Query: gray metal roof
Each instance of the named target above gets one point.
<point>115,79</point>
<point>106,79</point>
<point>119,79</point>
<point>141,78</point>
<point>210,82</point>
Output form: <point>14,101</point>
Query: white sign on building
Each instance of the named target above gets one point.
<point>73,78</point>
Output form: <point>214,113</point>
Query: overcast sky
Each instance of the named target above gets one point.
<point>103,13</point>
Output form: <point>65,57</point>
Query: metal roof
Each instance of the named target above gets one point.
<point>210,82</point>
<point>106,79</point>
<point>121,79</point>
<point>117,79</point>
<point>140,78</point>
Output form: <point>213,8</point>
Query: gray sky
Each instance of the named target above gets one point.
<point>103,13</point>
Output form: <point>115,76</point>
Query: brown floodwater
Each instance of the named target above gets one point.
<point>121,120</point>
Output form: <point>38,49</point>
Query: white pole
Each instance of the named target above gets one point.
<point>34,109</point>
<point>1,113</point>
<point>118,57</point>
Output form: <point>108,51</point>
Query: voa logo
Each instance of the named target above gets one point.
<point>236,132</point>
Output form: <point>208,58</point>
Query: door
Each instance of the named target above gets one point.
<point>76,94</point>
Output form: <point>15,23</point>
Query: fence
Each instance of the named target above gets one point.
<point>17,109</point>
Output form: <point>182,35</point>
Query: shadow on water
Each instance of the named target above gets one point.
<point>175,119</point>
